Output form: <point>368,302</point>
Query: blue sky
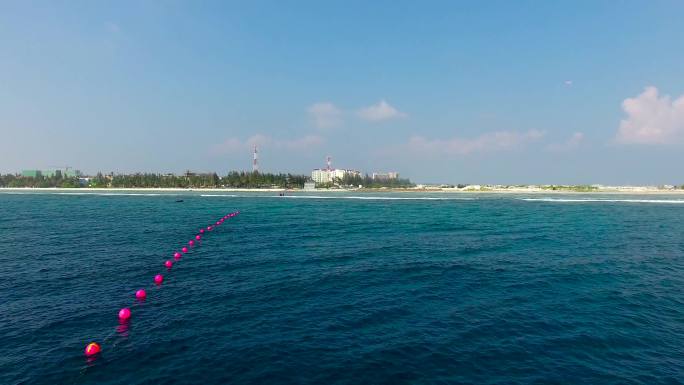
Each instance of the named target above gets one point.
<point>458,92</point>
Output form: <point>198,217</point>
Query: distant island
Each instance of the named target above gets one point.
<point>243,180</point>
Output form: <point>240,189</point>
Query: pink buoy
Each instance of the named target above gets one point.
<point>198,237</point>
<point>184,249</point>
<point>158,279</point>
<point>168,264</point>
<point>209,228</point>
<point>191,243</point>
<point>218,223</point>
<point>141,294</point>
<point>124,314</point>
<point>176,255</point>
<point>92,349</point>
<point>201,231</point>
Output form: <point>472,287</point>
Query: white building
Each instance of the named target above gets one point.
<point>323,176</point>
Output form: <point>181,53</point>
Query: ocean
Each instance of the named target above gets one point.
<point>343,288</point>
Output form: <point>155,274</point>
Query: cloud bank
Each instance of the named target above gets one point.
<point>380,112</point>
<point>491,141</point>
<point>652,119</point>
<point>572,143</point>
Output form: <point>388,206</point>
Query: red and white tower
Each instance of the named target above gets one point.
<point>255,162</point>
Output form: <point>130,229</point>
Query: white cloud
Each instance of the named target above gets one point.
<point>379,112</point>
<point>491,141</point>
<point>572,143</point>
<point>236,145</point>
<point>652,119</point>
<point>568,83</point>
<point>325,115</point>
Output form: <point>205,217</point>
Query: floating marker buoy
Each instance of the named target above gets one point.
<point>124,314</point>
<point>184,249</point>
<point>191,243</point>
<point>141,294</point>
<point>158,279</point>
<point>198,237</point>
<point>92,349</point>
<point>168,264</point>
<point>176,255</point>
<point>209,228</point>
<point>201,231</point>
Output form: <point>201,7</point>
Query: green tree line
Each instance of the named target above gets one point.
<point>368,182</point>
<point>234,179</point>
<point>10,180</point>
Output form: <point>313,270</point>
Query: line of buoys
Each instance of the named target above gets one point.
<point>93,348</point>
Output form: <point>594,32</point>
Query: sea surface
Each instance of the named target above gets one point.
<point>343,288</point>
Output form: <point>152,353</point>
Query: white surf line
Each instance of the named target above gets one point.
<point>594,200</point>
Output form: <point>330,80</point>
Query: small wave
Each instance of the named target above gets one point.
<point>590,200</point>
<point>335,197</point>
<point>110,194</point>
<point>375,198</point>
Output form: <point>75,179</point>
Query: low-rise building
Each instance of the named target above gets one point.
<point>385,175</point>
<point>31,173</point>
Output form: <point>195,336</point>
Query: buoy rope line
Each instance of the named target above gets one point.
<point>94,348</point>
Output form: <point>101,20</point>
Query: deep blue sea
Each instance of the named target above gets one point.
<point>343,288</point>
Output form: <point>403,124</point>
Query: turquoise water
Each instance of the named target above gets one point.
<point>343,289</point>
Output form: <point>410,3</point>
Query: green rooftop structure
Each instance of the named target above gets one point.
<point>64,173</point>
<point>31,173</point>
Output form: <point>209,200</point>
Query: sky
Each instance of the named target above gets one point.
<point>501,92</point>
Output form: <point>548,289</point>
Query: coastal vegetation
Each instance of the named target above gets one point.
<point>368,182</point>
<point>234,179</point>
<point>575,188</point>
<point>57,180</point>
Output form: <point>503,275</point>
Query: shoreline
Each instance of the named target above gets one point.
<point>640,191</point>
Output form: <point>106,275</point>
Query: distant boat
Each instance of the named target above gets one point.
<point>179,200</point>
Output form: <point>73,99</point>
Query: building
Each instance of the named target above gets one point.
<point>385,176</point>
<point>309,186</point>
<point>31,173</point>
<point>330,175</point>
<point>322,176</point>
<point>61,173</point>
